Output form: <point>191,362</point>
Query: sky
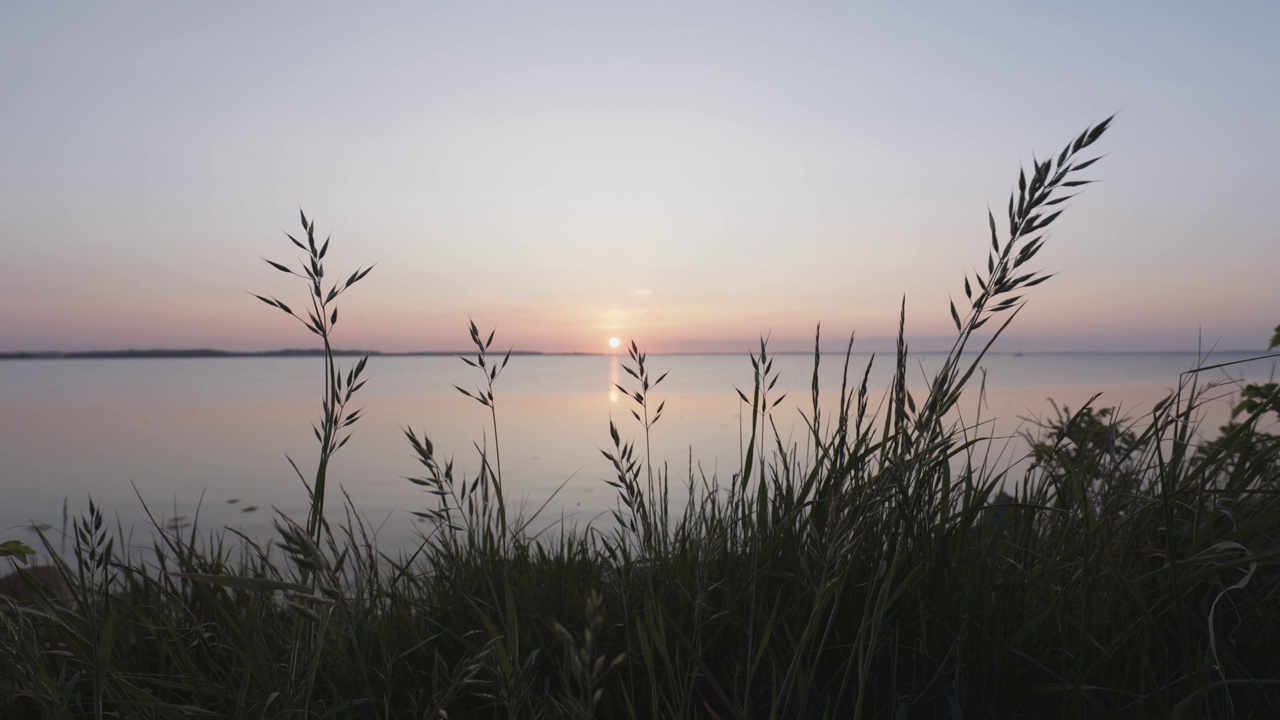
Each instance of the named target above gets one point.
<point>689,175</point>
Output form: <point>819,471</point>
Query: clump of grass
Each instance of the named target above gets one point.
<point>888,570</point>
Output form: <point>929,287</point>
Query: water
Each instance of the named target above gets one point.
<point>207,438</point>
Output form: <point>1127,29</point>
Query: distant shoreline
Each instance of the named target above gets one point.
<point>203,353</point>
<point>289,353</point>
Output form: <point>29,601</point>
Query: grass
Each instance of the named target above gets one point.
<point>1130,572</point>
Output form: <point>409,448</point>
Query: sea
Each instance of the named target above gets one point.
<point>202,444</point>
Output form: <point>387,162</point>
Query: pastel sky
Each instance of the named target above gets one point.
<point>691,175</point>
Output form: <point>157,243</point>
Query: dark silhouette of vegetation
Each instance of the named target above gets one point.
<point>887,572</point>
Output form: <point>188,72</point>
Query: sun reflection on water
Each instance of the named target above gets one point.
<point>613,379</point>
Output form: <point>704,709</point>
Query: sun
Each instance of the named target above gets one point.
<point>614,342</point>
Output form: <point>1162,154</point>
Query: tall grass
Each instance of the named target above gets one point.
<point>321,317</point>
<point>890,570</point>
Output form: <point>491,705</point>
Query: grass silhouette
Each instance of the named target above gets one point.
<point>883,573</point>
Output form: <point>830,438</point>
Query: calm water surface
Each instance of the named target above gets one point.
<point>209,437</point>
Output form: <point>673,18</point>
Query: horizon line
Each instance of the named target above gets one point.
<point>196,353</point>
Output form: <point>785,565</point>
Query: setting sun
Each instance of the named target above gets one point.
<point>614,342</point>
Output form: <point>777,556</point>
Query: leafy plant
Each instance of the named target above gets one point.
<point>16,549</point>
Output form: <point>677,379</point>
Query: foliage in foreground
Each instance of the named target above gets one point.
<point>881,573</point>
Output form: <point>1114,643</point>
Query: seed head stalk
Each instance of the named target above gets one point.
<point>338,389</point>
